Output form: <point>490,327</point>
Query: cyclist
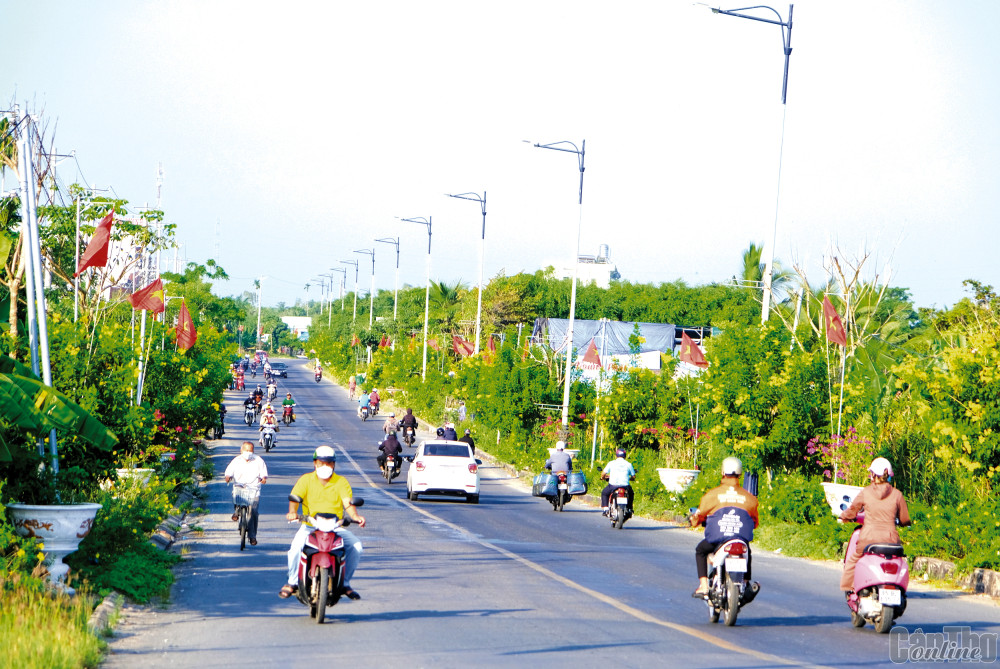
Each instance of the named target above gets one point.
<point>248,470</point>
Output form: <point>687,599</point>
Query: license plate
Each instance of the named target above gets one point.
<point>890,596</point>
<point>563,486</point>
<point>736,564</point>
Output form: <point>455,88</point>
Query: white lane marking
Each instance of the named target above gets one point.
<point>599,596</point>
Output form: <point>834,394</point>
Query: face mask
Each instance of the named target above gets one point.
<point>324,472</point>
<point>247,455</point>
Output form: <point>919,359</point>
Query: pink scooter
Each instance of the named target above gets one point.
<point>881,577</point>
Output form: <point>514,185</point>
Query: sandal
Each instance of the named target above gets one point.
<point>700,594</point>
<point>287,591</point>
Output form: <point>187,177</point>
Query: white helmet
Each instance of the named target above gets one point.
<point>880,467</point>
<point>392,414</point>
<point>560,445</point>
<point>732,466</point>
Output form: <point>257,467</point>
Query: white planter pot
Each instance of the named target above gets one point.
<point>572,452</point>
<point>840,495</point>
<point>677,480</point>
<point>61,527</point>
<point>142,474</point>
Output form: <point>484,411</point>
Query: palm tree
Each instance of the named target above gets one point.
<point>752,273</point>
<point>445,301</point>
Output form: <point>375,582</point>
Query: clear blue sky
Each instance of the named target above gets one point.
<point>300,131</point>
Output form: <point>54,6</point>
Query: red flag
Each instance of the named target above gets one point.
<point>149,298</point>
<point>354,340</point>
<point>690,353</point>
<point>186,334</point>
<point>834,327</point>
<point>461,346</point>
<point>384,341</point>
<point>96,254</point>
<point>433,343</point>
<point>591,360</point>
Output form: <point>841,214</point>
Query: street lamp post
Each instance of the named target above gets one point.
<point>355,264</point>
<point>395,288</point>
<point>580,154</point>
<point>786,39</point>
<point>482,258</point>
<point>329,298</point>
<point>258,282</point>
<point>427,295</point>
<point>343,280</point>
<point>371,297</point>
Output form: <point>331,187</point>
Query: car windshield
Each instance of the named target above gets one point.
<point>277,365</point>
<point>448,450</point>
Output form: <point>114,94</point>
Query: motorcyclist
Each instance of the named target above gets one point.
<point>390,425</point>
<point>618,473</point>
<point>449,432</point>
<point>467,438</point>
<point>390,446</point>
<point>272,389</point>
<point>374,399</point>
<point>253,369</point>
<point>250,401</point>
<point>560,461</point>
<point>363,401</point>
<point>883,506</point>
<point>259,393</point>
<point>288,402</point>
<point>323,491</point>
<point>318,369</point>
<point>729,499</point>
<point>268,420</point>
<point>409,420</point>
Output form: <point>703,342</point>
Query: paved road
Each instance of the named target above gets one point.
<point>503,583</point>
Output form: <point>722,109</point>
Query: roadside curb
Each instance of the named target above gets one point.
<point>100,618</point>
<point>979,581</point>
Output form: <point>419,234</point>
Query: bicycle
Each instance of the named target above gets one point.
<point>244,497</point>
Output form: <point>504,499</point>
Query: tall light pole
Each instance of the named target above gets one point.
<point>343,280</point>
<point>786,39</point>
<point>482,257</point>
<point>258,283</point>
<point>329,293</point>
<point>371,297</point>
<point>355,264</point>
<point>427,295</point>
<point>395,287</point>
<point>580,154</point>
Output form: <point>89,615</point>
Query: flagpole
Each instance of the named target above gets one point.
<point>843,361</point>
<point>829,379</point>
<point>142,346</point>
<point>76,266</point>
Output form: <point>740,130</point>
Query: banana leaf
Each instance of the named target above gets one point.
<point>30,404</point>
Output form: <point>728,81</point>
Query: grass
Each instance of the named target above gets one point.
<point>40,628</point>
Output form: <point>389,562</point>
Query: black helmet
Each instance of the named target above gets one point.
<point>440,432</point>
<point>620,453</point>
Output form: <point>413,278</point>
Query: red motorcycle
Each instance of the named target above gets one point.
<point>287,416</point>
<point>239,382</point>
<point>321,564</point>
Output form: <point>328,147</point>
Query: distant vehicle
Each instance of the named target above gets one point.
<point>279,369</point>
<point>442,467</point>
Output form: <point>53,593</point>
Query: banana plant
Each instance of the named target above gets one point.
<point>27,403</point>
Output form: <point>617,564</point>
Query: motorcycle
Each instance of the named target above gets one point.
<point>220,427</point>
<point>562,492</point>
<point>318,376</point>
<point>249,415</point>
<point>409,435</point>
<point>728,590</point>
<point>389,469</point>
<point>286,414</point>
<point>272,392</point>
<point>322,565</point>
<point>239,382</point>
<point>619,510</point>
<point>881,577</point>
<point>364,414</point>
<point>267,438</point>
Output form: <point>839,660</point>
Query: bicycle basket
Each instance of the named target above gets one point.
<point>245,495</point>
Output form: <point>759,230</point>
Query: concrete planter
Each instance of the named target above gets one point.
<point>677,480</point>
<point>60,527</point>
<point>139,473</point>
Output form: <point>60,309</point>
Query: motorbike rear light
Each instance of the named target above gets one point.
<point>621,493</point>
<point>473,468</point>
<point>562,477</point>
<point>419,464</point>
<point>890,567</point>
<point>736,549</point>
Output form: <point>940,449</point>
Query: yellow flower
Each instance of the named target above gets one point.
<point>20,552</point>
<point>40,556</point>
<point>41,546</point>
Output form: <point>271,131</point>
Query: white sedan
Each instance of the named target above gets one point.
<point>442,467</point>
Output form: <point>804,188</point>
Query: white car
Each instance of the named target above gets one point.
<point>441,467</point>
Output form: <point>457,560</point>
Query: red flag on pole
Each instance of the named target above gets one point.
<point>96,254</point>
<point>834,327</point>
<point>354,340</point>
<point>591,359</point>
<point>433,343</point>
<point>690,353</point>
<point>461,346</point>
<point>186,333</point>
<point>149,298</point>
<point>384,341</point>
